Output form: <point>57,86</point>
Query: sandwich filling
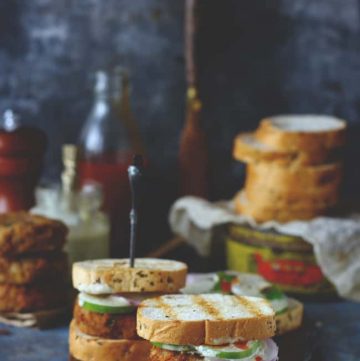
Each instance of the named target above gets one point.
<point>111,316</point>
<point>108,316</point>
<point>113,304</point>
<point>254,350</point>
<point>239,284</point>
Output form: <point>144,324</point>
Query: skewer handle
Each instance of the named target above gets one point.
<point>135,175</point>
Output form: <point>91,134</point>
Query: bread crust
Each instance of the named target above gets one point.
<point>30,298</point>
<point>287,193</point>
<point>148,275</point>
<point>105,325</point>
<point>23,233</point>
<point>309,142</point>
<point>33,269</point>
<point>292,189</point>
<point>210,331</point>
<point>295,180</point>
<point>89,348</point>
<point>270,213</point>
<point>291,319</point>
<point>247,149</point>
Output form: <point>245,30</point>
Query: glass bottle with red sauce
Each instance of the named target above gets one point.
<point>105,154</point>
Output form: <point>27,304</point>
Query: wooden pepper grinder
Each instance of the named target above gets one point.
<point>21,154</point>
<point>193,154</point>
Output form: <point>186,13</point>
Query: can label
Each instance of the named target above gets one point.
<point>292,271</point>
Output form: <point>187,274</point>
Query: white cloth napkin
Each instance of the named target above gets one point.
<point>336,241</point>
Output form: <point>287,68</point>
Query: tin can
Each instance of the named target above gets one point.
<point>284,260</point>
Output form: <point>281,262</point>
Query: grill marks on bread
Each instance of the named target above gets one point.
<point>168,310</point>
<point>250,306</point>
<point>208,307</point>
<point>213,307</point>
<point>204,319</point>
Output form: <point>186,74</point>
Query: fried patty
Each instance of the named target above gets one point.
<point>23,233</point>
<point>158,354</point>
<point>34,269</point>
<point>105,325</point>
<point>30,298</point>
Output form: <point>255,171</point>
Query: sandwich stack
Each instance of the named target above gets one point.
<point>104,323</point>
<point>33,266</point>
<point>294,167</point>
<point>208,327</point>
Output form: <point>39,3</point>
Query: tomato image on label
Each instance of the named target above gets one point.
<point>288,272</point>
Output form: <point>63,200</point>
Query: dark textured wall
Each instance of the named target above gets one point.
<point>49,48</point>
<point>255,58</point>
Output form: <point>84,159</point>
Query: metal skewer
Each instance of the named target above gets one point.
<point>135,174</point>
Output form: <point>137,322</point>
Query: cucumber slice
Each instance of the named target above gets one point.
<point>232,351</point>
<point>170,347</point>
<point>107,309</point>
<point>110,304</point>
<point>277,298</point>
<point>273,293</point>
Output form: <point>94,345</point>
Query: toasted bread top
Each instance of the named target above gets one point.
<point>115,275</point>
<point>310,133</point>
<point>308,123</point>
<point>205,319</point>
<point>249,149</point>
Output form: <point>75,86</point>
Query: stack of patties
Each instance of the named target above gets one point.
<point>104,324</point>
<point>208,327</point>
<point>33,267</point>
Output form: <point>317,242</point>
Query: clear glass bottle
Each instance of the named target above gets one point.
<point>106,153</point>
<point>80,210</point>
<point>90,239</point>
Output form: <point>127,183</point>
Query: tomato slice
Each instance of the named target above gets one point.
<point>241,345</point>
<point>233,351</point>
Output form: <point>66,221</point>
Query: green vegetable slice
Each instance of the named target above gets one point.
<point>273,293</point>
<point>170,347</point>
<point>107,309</point>
<point>234,351</point>
<point>277,298</point>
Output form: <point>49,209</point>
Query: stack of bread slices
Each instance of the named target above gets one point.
<point>32,264</point>
<point>294,167</point>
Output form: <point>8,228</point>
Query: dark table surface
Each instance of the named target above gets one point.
<point>331,332</point>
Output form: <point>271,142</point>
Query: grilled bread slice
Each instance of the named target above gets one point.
<point>311,134</point>
<point>249,150</point>
<point>276,196</point>
<point>211,319</point>
<point>308,187</point>
<point>291,319</point>
<point>295,180</point>
<point>262,213</point>
<point>89,348</point>
<point>108,276</point>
